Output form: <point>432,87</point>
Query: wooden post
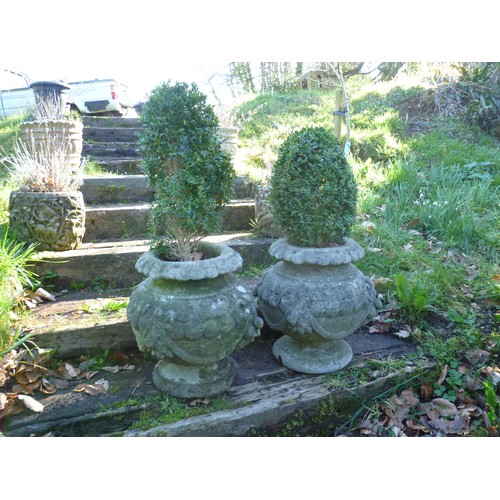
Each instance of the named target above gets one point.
<point>338,114</point>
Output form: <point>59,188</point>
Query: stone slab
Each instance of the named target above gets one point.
<point>111,134</point>
<point>110,121</point>
<point>99,150</point>
<point>134,188</point>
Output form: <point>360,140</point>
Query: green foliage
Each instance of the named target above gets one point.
<point>455,204</point>
<point>14,276</point>
<point>493,403</point>
<point>184,160</point>
<point>412,299</point>
<point>9,132</point>
<point>313,191</point>
<point>453,383</point>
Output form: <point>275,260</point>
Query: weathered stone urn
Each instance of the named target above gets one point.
<point>229,137</point>
<point>266,224</point>
<point>316,297</point>
<point>191,316</point>
<point>56,221</point>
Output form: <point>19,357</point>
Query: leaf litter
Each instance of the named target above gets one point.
<point>26,373</point>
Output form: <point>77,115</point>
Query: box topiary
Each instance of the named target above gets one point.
<point>182,156</point>
<point>313,191</point>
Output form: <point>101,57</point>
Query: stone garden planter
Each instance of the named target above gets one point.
<point>229,136</point>
<point>40,137</point>
<point>191,316</point>
<point>316,297</point>
<point>56,221</point>
<point>266,225</point>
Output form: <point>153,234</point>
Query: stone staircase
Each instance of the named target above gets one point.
<point>117,210</point>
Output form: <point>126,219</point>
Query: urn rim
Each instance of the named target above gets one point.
<point>225,260</point>
<point>349,252</point>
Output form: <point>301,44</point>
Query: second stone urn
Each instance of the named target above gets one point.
<point>316,297</point>
<point>191,316</point>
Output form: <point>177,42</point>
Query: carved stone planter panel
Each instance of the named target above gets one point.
<point>40,138</point>
<point>56,221</point>
<point>265,219</point>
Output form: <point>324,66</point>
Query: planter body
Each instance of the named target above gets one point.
<point>40,137</point>
<point>230,139</point>
<point>56,221</point>
<point>316,297</point>
<point>191,316</point>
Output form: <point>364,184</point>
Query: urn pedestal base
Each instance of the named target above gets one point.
<point>317,358</point>
<point>188,381</point>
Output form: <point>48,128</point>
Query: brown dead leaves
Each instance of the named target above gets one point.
<point>407,415</point>
<point>23,373</point>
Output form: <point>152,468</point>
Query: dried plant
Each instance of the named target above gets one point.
<point>45,171</point>
<point>49,109</point>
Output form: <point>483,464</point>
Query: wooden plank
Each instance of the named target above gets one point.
<point>262,406</point>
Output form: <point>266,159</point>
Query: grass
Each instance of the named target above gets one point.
<point>428,204</point>
<point>14,277</point>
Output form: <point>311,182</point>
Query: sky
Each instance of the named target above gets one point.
<point>144,43</point>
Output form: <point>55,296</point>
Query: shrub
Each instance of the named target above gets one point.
<point>183,158</point>
<point>313,190</point>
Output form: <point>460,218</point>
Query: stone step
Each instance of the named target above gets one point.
<point>111,134</point>
<point>88,320</point>
<point>122,122</point>
<point>134,188</point>
<point>116,189</point>
<point>113,262</point>
<point>118,221</point>
<point>119,166</point>
<point>99,150</point>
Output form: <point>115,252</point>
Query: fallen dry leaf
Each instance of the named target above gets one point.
<point>439,407</point>
<point>444,373</point>
<point>379,280</point>
<point>403,334</point>
<point>61,383</point>
<point>103,383</point>
<point>27,388</point>
<point>369,226</point>
<point>427,391</point>
<point>477,355</point>
<point>92,389</point>
<point>493,372</point>
<point>3,400</point>
<point>30,403</point>
<point>11,407</point>
<point>416,426</point>
<point>111,369</point>
<point>47,387</point>
<point>203,402</point>
<point>398,407</point>
<point>71,370</point>
<point>40,292</point>
<point>89,375</point>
